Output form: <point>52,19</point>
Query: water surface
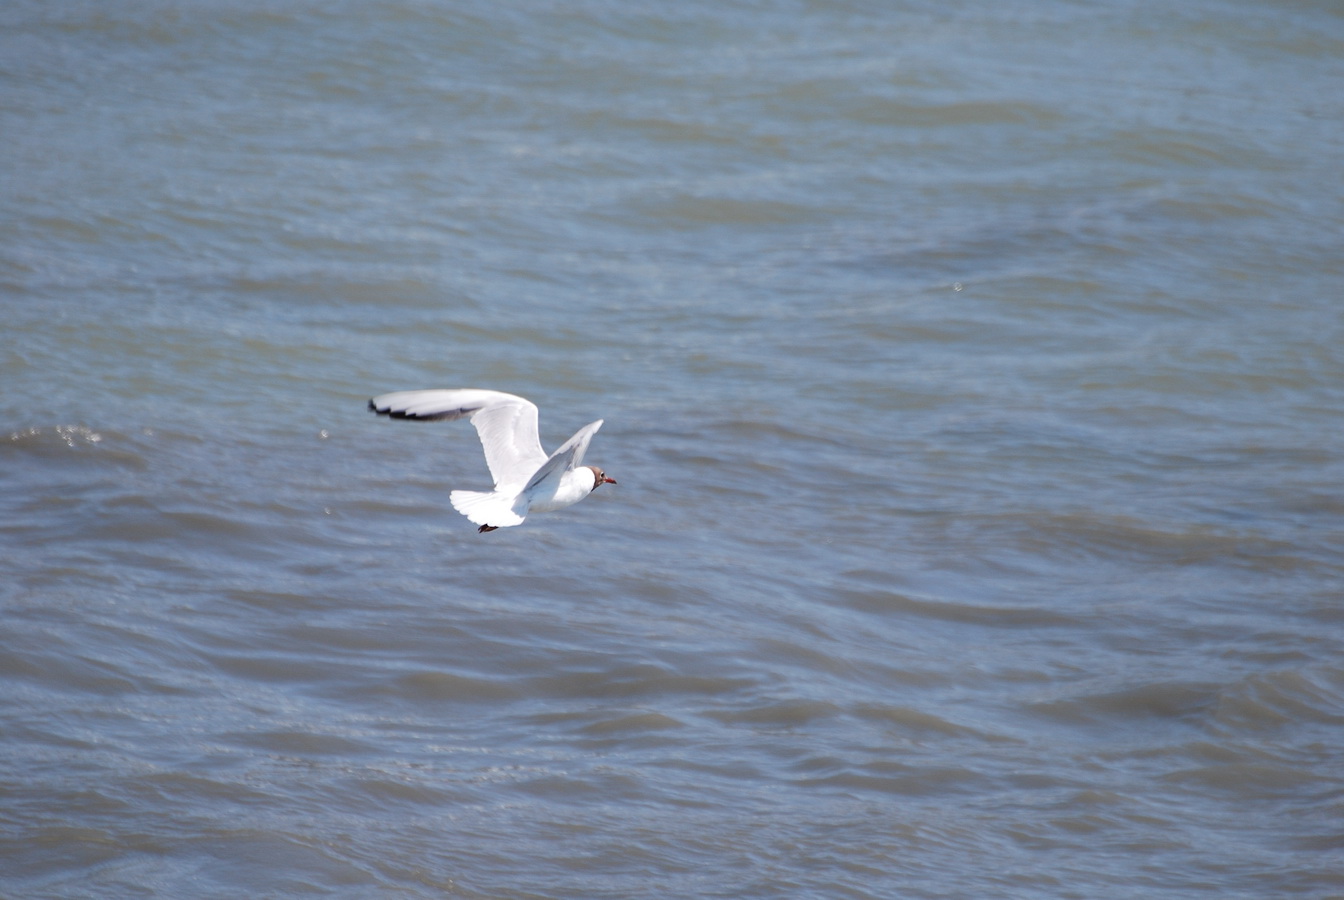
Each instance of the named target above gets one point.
<point>973,378</point>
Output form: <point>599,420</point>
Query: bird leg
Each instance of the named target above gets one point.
<point>484,528</point>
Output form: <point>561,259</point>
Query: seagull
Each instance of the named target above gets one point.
<point>526,479</point>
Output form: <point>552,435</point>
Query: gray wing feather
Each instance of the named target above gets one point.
<point>506,424</point>
<point>566,459</point>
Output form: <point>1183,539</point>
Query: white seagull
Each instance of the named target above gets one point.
<point>526,479</point>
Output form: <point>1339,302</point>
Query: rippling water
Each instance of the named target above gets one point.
<point>973,377</point>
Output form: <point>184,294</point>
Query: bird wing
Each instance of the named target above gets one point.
<point>507,425</point>
<point>566,459</point>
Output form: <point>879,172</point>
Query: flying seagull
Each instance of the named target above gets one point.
<point>526,479</point>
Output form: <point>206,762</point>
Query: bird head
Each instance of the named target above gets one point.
<point>600,477</point>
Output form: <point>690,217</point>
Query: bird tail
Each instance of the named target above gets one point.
<point>493,508</point>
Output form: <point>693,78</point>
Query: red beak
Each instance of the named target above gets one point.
<point>606,480</point>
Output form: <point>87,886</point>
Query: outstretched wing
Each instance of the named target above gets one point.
<point>566,459</point>
<point>507,425</point>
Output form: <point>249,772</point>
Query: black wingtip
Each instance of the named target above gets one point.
<point>416,417</point>
<point>389,412</point>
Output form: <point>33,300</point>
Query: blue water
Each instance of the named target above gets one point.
<point>973,379</point>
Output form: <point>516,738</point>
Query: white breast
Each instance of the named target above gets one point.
<point>573,487</point>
